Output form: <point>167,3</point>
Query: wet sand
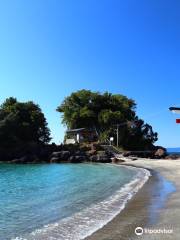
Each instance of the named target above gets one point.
<point>155,206</point>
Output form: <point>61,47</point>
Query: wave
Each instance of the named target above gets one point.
<point>89,220</point>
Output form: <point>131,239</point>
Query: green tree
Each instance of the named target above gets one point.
<point>22,122</point>
<point>103,112</point>
<point>92,109</point>
<point>139,136</point>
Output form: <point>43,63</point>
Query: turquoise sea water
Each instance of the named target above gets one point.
<point>51,197</point>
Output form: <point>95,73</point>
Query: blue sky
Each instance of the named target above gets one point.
<point>50,48</point>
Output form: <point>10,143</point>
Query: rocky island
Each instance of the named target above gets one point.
<point>91,118</point>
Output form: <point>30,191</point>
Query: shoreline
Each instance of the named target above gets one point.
<point>153,206</point>
<point>108,209</point>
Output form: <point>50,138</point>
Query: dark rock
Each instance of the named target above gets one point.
<point>44,153</point>
<point>16,160</point>
<point>115,160</point>
<point>61,155</point>
<point>141,154</point>
<point>93,158</point>
<point>79,153</point>
<point>93,147</point>
<point>127,154</point>
<point>26,159</point>
<point>54,160</point>
<point>77,159</point>
<point>56,154</point>
<point>109,154</point>
<point>91,152</point>
<point>173,157</point>
<point>103,158</point>
<point>160,153</point>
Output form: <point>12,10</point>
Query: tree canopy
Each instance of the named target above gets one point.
<point>103,112</point>
<point>22,122</point>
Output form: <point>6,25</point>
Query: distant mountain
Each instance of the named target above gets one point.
<point>173,150</point>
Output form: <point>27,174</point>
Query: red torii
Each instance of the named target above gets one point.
<point>175,110</point>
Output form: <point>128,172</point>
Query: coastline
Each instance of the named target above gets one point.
<point>86,222</point>
<point>155,206</point>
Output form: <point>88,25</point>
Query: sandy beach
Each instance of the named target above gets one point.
<point>156,207</point>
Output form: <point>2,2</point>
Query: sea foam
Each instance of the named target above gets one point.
<point>84,223</point>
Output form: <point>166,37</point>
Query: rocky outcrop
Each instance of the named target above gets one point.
<point>67,156</point>
<point>173,157</point>
<point>52,153</point>
<point>140,154</point>
<point>55,160</point>
<point>160,153</point>
<point>26,159</point>
<point>77,159</point>
<point>155,153</point>
<point>115,160</point>
<point>60,156</point>
<point>28,153</point>
<point>101,157</point>
<point>83,154</point>
<point>91,152</point>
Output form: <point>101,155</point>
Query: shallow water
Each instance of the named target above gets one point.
<point>160,192</point>
<point>46,196</point>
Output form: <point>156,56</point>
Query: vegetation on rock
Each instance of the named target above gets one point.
<point>24,134</point>
<point>103,112</point>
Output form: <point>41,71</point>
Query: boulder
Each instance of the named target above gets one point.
<point>79,153</point>
<point>16,160</point>
<point>102,158</point>
<point>109,154</point>
<point>93,146</point>
<point>30,158</point>
<point>54,160</point>
<point>93,158</point>
<point>91,152</point>
<point>115,160</point>
<point>61,155</point>
<point>127,154</point>
<point>77,159</point>
<point>140,154</point>
<point>160,153</point>
<point>173,157</point>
